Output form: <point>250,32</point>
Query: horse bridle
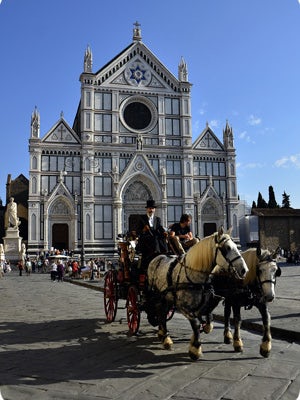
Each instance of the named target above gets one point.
<point>223,252</point>
<point>268,260</point>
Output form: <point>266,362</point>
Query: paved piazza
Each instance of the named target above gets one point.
<point>55,344</point>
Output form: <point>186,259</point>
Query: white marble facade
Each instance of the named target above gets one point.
<point>131,140</point>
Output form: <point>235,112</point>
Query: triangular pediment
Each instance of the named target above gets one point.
<point>61,132</point>
<point>136,67</point>
<point>208,141</point>
<point>138,165</point>
<point>60,189</point>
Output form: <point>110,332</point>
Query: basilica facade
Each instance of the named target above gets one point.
<point>131,140</point>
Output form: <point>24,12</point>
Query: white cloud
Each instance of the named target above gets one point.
<point>250,166</point>
<point>253,120</point>
<point>288,161</point>
<point>245,136</point>
<point>214,123</point>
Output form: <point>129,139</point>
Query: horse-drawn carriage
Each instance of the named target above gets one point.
<point>169,282</point>
<point>128,281</point>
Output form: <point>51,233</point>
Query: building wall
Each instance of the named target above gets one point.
<point>131,140</point>
<point>280,231</point>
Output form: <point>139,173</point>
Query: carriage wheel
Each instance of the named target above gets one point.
<point>133,312</point>
<point>110,296</point>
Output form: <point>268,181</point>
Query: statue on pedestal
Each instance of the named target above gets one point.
<point>2,255</point>
<point>13,220</point>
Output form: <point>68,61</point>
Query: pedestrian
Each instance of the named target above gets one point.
<point>28,267</point>
<point>60,271</point>
<point>20,267</point>
<point>53,272</point>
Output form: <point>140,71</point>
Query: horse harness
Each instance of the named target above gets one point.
<point>232,269</point>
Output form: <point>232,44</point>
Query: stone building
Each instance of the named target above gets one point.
<point>131,140</point>
<point>278,227</point>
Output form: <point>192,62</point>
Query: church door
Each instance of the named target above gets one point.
<point>209,228</point>
<point>60,236</point>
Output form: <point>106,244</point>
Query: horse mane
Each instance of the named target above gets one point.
<point>200,257</point>
<point>252,261</point>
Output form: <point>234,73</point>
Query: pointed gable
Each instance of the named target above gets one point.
<point>61,132</point>
<point>136,66</point>
<point>208,141</point>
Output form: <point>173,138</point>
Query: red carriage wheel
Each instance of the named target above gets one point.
<point>133,312</point>
<point>110,296</point>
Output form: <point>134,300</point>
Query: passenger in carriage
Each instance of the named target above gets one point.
<point>151,235</point>
<point>180,235</point>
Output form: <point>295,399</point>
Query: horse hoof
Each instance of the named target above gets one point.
<point>238,346</point>
<point>195,353</point>
<point>208,328</point>
<point>227,340</point>
<point>265,349</point>
<point>238,349</point>
<point>168,343</point>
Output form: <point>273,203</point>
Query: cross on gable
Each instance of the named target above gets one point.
<point>208,140</point>
<point>61,130</point>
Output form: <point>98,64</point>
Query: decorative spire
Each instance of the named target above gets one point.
<point>137,36</point>
<point>182,71</point>
<point>228,136</point>
<point>35,123</point>
<point>88,60</point>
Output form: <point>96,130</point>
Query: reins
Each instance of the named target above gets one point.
<point>232,268</point>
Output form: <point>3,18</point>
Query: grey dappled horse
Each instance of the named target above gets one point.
<point>257,289</point>
<point>182,283</point>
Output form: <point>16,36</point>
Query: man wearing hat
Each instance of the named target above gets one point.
<point>152,240</point>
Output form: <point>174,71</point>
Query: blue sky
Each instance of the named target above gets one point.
<point>243,61</point>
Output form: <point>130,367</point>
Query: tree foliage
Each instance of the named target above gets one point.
<point>272,201</point>
<point>261,202</point>
<point>286,201</point>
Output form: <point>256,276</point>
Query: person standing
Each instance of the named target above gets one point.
<point>20,267</point>
<point>60,271</point>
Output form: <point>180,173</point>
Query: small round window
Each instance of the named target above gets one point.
<point>138,114</point>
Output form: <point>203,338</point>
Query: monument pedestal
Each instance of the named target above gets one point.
<point>12,245</point>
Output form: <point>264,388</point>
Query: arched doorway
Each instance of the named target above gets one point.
<point>135,197</point>
<point>60,236</point>
<point>209,228</point>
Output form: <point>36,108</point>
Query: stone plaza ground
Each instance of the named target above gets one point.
<point>56,344</point>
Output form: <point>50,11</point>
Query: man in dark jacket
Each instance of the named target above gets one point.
<point>151,234</point>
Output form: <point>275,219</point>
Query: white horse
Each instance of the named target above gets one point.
<point>182,283</point>
<point>257,289</point>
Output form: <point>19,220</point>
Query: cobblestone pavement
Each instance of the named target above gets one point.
<point>55,344</point>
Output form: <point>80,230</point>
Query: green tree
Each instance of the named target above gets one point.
<point>261,202</point>
<point>286,201</point>
<point>272,201</point>
<point>253,204</point>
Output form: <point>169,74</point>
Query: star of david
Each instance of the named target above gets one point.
<point>137,74</point>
